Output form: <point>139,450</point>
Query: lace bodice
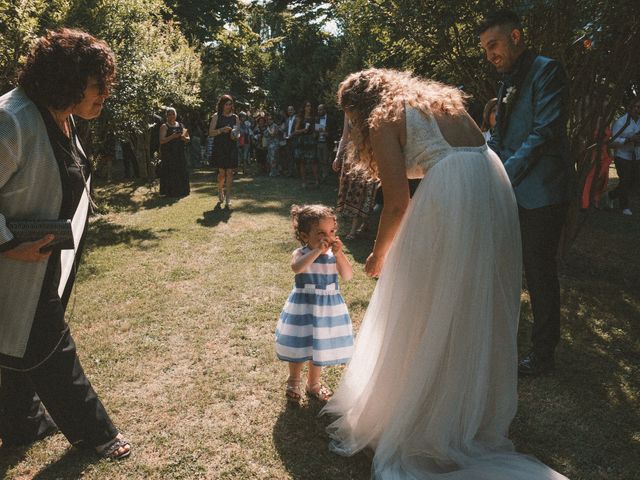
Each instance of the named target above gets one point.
<point>425,144</point>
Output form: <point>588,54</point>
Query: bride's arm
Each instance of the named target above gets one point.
<point>387,150</point>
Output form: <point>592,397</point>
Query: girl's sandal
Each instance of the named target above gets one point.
<point>322,394</point>
<point>117,449</point>
<point>294,390</point>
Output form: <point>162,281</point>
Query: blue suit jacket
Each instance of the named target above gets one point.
<point>531,138</point>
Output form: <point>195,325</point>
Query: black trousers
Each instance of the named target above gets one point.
<point>541,229</point>
<point>628,174</point>
<point>59,384</point>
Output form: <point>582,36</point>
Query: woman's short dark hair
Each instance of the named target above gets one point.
<point>60,64</point>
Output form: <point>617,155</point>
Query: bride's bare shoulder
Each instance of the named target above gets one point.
<point>394,127</point>
<point>459,130</point>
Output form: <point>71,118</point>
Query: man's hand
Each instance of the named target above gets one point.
<point>30,251</point>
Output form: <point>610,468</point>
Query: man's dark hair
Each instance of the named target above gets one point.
<point>58,68</point>
<point>502,17</point>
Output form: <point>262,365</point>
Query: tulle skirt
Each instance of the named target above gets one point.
<point>431,387</point>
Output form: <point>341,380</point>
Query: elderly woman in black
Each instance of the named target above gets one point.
<point>45,175</point>
<point>174,176</point>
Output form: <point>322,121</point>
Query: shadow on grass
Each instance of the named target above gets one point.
<point>102,233</point>
<point>584,418</point>
<point>71,465</point>
<point>9,458</point>
<point>212,218</point>
<point>302,443</point>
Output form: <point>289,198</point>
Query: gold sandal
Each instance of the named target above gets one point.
<point>323,394</point>
<point>294,390</point>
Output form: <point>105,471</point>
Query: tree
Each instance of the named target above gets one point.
<point>20,23</point>
<point>156,67</point>
<point>594,39</point>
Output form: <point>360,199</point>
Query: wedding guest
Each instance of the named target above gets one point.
<point>224,129</point>
<point>489,118</point>
<point>272,135</point>
<point>244,142</point>
<point>356,190</point>
<point>314,326</point>
<point>325,131</point>
<point>431,386</point>
<point>44,174</point>
<point>595,184</point>
<point>288,160</point>
<point>306,154</point>
<point>261,143</point>
<point>626,145</point>
<point>174,176</point>
<point>530,138</point>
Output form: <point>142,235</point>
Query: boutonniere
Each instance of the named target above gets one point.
<point>510,93</point>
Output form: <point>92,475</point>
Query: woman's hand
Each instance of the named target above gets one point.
<point>227,129</point>
<point>373,265</point>
<point>30,251</point>
<point>336,165</point>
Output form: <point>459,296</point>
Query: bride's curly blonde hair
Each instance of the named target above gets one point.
<point>380,95</point>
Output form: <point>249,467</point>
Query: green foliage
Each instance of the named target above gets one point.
<point>20,23</point>
<point>156,65</point>
<point>201,20</point>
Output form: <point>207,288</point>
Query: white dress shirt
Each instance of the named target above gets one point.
<point>624,150</point>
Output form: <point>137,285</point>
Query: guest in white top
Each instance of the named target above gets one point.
<point>626,144</point>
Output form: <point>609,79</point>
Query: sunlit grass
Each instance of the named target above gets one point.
<point>176,311</point>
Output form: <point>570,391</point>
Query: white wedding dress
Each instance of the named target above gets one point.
<point>431,387</point>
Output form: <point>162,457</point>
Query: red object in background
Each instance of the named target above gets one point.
<point>587,43</point>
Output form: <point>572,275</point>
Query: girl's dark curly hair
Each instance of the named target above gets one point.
<point>60,64</point>
<point>303,217</point>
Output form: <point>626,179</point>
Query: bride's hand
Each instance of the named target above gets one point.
<point>373,265</point>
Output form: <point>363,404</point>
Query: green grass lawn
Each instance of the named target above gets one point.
<point>175,329</point>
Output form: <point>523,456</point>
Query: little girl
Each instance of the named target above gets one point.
<point>314,325</point>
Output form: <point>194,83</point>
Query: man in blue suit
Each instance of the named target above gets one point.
<point>531,140</point>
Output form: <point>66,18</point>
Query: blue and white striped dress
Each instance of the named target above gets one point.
<point>314,323</point>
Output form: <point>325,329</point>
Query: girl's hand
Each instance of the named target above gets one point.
<point>30,251</point>
<point>373,265</point>
<point>324,246</point>
<point>336,246</point>
<point>336,165</point>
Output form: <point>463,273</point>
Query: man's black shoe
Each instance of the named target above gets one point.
<point>533,365</point>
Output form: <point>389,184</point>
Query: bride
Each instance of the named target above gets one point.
<point>431,387</point>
